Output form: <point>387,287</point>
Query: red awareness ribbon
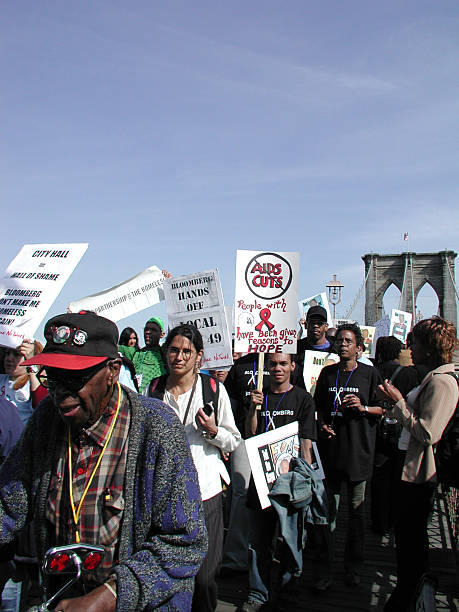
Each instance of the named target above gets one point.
<point>264,316</point>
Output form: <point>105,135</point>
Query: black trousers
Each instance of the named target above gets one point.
<point>205,587</point>
<point>414,504</point>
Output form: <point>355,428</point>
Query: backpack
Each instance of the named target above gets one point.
<point>210,390</point>
<point>447,451</point>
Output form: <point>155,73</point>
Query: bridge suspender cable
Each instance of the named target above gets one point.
<point>359,293</point>
<point>452,279</point>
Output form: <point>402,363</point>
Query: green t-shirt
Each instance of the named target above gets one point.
<point>148,363</point>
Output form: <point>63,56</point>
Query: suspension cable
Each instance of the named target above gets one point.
<point>359,293</point>
<point>452,279</point>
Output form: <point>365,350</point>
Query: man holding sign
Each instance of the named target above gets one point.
<point>282,404</point>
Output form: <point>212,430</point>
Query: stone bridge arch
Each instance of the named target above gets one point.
<point>415,269</point>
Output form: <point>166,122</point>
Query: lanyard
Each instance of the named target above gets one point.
<point>337,395</point>
<point>76,512</point>
<point>266,410</point>
<point>190,400</point>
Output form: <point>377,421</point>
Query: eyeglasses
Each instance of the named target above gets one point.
<point>186,352</point>
<point>51,378</point>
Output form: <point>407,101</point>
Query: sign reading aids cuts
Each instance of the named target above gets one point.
<point>266,301</point>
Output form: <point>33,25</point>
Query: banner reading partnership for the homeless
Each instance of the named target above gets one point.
<point>29,286</point>
<point>127,298</point>
<point>266,299</point>
<point>197,299</point>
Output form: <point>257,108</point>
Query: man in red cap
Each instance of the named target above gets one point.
<point>100,464</point>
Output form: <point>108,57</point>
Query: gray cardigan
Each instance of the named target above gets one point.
<point>162,538</point>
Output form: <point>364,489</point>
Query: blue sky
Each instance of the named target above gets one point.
<point>173,133</point>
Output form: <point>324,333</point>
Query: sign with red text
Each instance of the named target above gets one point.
<point>265,306</point>
<point>197,299</point>
<point>29,286</point>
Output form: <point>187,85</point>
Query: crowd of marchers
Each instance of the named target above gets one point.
<point>140,453</point>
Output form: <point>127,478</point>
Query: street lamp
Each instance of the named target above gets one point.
<point>334,293</point>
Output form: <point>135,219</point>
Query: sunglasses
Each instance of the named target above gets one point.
<point>51,378</point>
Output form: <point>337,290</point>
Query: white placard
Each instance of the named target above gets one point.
<point>270,454</point>
<point>338,322</point>
<point>131,296</point>
<point>265,304</point>
<point>368,333</point>
<point>29,286</point>
<point>320,299</point>
<point>197,299</point>
<point>400,324</point>
<point>314,361</point>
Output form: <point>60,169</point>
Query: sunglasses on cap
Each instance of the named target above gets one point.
<point>51,378</point>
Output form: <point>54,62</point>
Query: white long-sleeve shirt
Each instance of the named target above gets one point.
<point>206,452</point>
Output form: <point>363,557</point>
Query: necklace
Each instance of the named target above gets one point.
<point>337,401</point>
<point>76,512</point>
<point>277,406</point>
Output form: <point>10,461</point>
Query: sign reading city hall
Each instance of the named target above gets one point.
<point>265,309</point>
<point>29,286</point>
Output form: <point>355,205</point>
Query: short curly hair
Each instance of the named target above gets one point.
<point>355,329</point>
<point>439,336</point>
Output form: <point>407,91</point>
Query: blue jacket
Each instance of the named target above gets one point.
<point>298,496</point>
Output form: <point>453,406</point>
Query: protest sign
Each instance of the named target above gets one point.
<point>338,322</point>
<point>382,327</point>
<point>131,296</point>
<point>29,286</point>
<point>265,302</point>
<point>314,361</point>
<point>320,299</point>
<point>400,324</point>
<point>270,454</point>
<point>368,333</point>
<point>197,299</point>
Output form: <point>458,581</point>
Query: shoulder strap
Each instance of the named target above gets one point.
<point>454,375</point>
<point>210,392</point>
<point>157,387</point>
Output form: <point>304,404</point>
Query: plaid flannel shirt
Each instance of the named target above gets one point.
<point>103,506</point>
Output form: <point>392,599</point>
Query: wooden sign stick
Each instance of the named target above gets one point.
<point>261,367</point>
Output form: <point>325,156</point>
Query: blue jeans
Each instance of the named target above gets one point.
<point>263,533</point>
<point>355,539</point>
